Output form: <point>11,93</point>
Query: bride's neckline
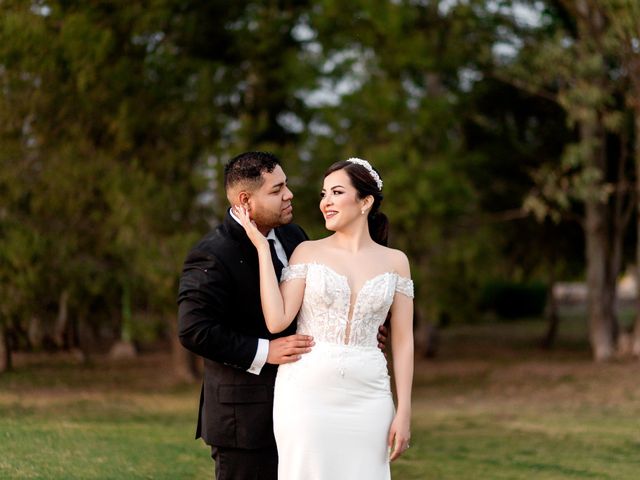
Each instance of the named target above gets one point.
<point>346,278</point>
<point>354,300</point>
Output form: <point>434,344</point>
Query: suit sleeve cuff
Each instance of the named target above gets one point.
<point>261,357</point>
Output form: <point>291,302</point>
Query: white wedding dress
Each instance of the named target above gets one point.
<point>333,407</point>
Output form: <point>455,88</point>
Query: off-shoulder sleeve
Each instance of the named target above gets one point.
<point>404,285</point>
<point>299,270</point>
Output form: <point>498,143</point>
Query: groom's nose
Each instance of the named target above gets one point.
<point>287,195</point>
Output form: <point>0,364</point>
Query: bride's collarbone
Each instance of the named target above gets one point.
<point>357,268</point>
<point>355,273</point>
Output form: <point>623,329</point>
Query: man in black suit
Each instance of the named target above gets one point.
<point>220,318</point>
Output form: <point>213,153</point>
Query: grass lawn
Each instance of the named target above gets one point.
<point>108,421</point>
<point>491,406</point>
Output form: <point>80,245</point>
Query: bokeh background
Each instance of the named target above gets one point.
<point>507,134</point>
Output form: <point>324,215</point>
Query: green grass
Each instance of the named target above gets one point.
<point>495,406</point>
<point>501,443</point>
<point>66,421</point>
<point>491,406</point>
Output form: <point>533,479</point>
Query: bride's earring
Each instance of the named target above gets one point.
<point>362,212</point>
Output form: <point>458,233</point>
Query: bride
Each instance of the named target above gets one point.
<point>333,409</point>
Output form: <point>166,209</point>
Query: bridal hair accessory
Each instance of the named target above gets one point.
<point>369,168</point>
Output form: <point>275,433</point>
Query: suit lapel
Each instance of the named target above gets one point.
<point>246,249</point>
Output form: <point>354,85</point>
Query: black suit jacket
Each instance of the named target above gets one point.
<point>220,318</point>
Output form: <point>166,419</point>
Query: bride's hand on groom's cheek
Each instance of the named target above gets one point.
<point>257,238</point>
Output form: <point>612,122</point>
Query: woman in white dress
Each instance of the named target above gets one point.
<point>333,413</point>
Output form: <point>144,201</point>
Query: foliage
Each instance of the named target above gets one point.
<point>105,122</point>
<point>513,300</point>
<point>403,97</point>
<point>115,121</point>
<point>584,62</point>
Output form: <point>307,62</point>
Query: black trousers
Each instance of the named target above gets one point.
<point>242,464</point>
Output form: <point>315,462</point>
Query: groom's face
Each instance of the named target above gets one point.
<point>270,204</point>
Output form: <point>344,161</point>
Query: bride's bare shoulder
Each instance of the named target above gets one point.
<point>306,251</point>
<point>397,259</point>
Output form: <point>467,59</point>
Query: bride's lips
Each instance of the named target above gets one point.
<point>330,214</point>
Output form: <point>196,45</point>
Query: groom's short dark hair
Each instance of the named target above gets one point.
<point>249,166</point>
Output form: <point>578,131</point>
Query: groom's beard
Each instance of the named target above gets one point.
<point>271,219</point>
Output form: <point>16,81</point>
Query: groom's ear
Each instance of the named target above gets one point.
<point>238,197</point>
<point>243,198</point>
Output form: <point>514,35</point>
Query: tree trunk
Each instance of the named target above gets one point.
<point>35,333</point>
<point>601,232</point>
<point>601,280</point>
<point>635,344</point>
<point>5,350</point>
<point>553,318</point>
<point>60,329</point>
<point>600,294</point>
<point>124,348</point>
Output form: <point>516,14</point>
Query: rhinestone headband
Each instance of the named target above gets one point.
<point>369,168</point>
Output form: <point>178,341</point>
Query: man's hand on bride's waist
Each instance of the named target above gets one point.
<point>289,349</point>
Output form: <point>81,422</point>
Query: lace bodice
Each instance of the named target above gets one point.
<point>326,305</point>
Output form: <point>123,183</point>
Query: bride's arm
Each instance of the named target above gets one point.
<point>279,306</point>
<point>402,351</point>
<point>280,303</point>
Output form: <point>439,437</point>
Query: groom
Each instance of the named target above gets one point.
<point>220,319</point>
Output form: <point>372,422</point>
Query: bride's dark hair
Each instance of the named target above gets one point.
<point>365,185</point>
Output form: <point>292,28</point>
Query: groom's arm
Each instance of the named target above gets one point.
<point>204,303</point>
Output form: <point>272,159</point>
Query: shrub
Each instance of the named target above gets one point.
<point>513,300</point>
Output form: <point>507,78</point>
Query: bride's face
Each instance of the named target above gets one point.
<point>339,202</point>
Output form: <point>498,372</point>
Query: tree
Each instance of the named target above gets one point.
<point>576,67</point>
<point>623,18</point>
<point>416,96</point>
<point>114,119</point>
<point>97,127</point>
